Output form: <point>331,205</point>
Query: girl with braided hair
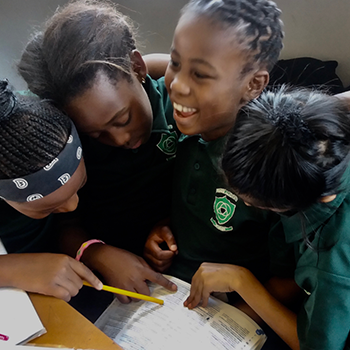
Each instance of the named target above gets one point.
<point>221,55</point>
<point>289,153</point>
<point>41,170</point>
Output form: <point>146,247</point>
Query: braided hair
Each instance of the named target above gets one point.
<point>80,40</point>
<point>258,25</point>
<point>289,148</point>
<point>32,133</point>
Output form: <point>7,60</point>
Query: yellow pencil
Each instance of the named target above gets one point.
<point>128,293</point>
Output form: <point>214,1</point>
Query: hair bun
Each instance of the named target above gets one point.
<point>293,127</point>
<point>8,100</point>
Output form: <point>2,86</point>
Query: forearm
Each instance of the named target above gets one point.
<point>71,235</point>
<point>345,96</point>
<point>9,270</point>
<point>275,314</point>
<point>71,240</point>
<point>156,64</point>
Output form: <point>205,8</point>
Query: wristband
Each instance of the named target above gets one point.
<point>84,246</point>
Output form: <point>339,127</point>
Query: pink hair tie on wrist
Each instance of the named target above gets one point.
<point>86,245</point>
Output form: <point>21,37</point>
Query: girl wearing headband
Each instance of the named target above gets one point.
<point>289,153</point>
<point>41,170</point>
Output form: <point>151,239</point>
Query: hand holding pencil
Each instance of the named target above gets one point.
<point>125,270</point>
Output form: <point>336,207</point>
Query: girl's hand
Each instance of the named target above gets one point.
<point>211,277</point>
<point>123,269</point>
<point>57,275</point>
<point>160,259</point>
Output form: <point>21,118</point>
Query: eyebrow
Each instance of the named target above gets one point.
<point>195,60</point>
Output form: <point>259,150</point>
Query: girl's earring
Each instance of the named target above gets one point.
<point>143,80</point>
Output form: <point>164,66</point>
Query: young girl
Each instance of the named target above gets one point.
<point>289,152</point>
<point>221,54</point>
<point>85,59</point>
<point>41,170</point>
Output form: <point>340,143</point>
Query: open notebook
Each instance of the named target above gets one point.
<point>19,322</point>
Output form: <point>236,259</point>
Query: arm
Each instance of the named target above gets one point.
<point>156,64</point>
<point>228,278</point>
<point>160,247</point>
<point>345,96</point>
<point>118,267</point>
<point>50,274</point>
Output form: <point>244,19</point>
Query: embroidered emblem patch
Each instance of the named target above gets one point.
<point>224,207</point>
<point>168,143</point>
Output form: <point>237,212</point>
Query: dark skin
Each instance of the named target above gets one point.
<point>51,274</point>
<point>203,62</point>
<point>119,115</point>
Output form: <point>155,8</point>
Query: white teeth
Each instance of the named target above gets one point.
<point>183,108</point>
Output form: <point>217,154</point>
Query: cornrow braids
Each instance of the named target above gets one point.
<point>289,148</point>
<point>32,134</point>
<point>78,41</point>
<point>258,24</point>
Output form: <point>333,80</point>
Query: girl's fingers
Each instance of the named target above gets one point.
<point>85,274</point>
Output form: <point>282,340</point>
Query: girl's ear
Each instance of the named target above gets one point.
<point>138,65</point>
<point>256,85</point>
<point>327,199</point>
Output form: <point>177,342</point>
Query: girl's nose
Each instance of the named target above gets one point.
<point>179,85</point>
<point>118,136</point>
<point>68,206</point>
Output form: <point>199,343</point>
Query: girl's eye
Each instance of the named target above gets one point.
<point>124,120</point>
<point>200,76</point>
<point>174,63</point>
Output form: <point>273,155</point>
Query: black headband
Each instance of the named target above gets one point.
<point>48,179</point>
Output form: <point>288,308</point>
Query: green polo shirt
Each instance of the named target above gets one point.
<point>21,234</point>
<point>209,222</point>
<point>323,272</point>
<point>129,191</point>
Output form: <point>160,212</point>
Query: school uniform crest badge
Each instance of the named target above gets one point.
<point>224,208</point>
<point>168,143</point>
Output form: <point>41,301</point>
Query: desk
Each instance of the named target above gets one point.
<point>67,327</point>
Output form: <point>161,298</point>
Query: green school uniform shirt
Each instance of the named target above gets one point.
<point>209,222</point>
<point>324,273</point>
<point>128,191</point>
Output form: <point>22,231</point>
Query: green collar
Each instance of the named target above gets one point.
<point>213,149</point>
<point>316,214</point>
<point>212,146</point>
<point>159,121</point>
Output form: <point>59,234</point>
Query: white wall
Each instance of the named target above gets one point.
<point>316,28</point>
<point>320,29</point>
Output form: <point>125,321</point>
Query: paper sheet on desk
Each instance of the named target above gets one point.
<point>18,318</point>
<point>147,326</point>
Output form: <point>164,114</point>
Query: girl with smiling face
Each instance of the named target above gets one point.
<point>221,55</point>
<point>41,170</point>
<point>86,61</point>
